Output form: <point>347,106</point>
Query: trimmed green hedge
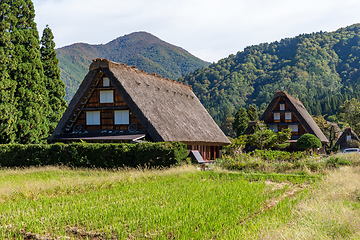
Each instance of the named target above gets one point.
<point>93,154</point>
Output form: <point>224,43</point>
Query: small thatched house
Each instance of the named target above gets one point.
<point>119,103</point>
<point>345,137</point>
<point>284,111</point>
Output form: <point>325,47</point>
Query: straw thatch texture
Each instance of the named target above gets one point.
<point>167,109</point>
<point>301,113</point>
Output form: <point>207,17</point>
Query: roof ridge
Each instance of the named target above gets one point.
<point>104,62</point>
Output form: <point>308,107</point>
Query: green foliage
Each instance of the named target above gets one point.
<point>252,113</point>
<point>353,143</point>
<point>266,138</point>
<point>236,146</point>
<point>241,121</point>
<point>227,123</point>
<point>141,49</point>
<point>330,130</point>
<point>93,155</point>
<point>308,141</point>
<point>320,69</point>
<point>336,161</point>
<point>349,113</point>
<point>54,85</point>
<point>24,102</point>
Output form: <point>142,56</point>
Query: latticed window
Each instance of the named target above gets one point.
<point>288,116</point>
<point>93,118</point>
<point>282,106</point>
<point>121,117</point>
<point>107,96</point>
<point>277,116</point>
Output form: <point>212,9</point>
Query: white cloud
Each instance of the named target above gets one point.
<point>210,29</point>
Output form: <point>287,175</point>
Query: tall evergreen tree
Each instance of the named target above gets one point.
<point>8,111</point>
<point>241,121</point>
<point>54,85</point>
<point>23,67</point>
<point>227,123</point>
<point>252,113</point>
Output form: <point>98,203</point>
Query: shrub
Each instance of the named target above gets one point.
<point>93,154</point>
<point>308,141</point>
<point>335,162</point>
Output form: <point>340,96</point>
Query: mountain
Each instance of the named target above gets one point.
<point>141,49</point>
<point>321,69</point>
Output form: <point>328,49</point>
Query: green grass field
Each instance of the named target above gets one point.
<point>176,203</point>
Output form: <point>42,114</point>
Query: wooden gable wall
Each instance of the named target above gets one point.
<point>284,123</point>
<point>107,110</point>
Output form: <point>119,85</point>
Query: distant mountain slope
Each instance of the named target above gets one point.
<point>141,49</point>
<point>320,69</point>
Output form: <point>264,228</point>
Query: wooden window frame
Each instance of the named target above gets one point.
<point>107,96</point>
<point>93,118</point>
<point>106,82</point>
<point>119,117</point>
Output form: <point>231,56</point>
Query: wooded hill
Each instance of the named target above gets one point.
<point>141,49</point>
<point>320,69</point>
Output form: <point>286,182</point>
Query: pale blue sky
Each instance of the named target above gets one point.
<point>209,29</point>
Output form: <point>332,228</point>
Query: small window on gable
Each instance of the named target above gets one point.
<point>93,118</point>
<point>348,137</point>
<point>107,96</point>
<point>276,116</point>
<point>106,82</point>
<point>288,116</point>
<point>121,117</point>
<point>282,106</point>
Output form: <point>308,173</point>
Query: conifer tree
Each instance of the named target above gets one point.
<point>252,113</point>
<point>54,85</point>
<point>241,121</point>
<point>25,68</point>
<point>8,111</point>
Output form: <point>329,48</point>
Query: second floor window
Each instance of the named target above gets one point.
<point>107,96</point>
<point>277,116</point>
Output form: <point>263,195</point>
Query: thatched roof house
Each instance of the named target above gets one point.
<point>117,103</point>
<point>345,137</point>
<point>284,111</point>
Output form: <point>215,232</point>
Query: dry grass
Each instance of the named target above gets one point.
<point>332,210</point>
<point>53,181</point>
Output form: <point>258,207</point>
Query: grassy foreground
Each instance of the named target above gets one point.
<point>176,203</point>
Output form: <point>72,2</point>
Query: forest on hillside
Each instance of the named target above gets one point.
<point>320,69</point>
<point>141,49</point>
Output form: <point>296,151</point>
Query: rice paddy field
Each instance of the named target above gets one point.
<point>176,203</point>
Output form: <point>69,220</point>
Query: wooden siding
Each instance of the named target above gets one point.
<point>106,110</point>
<point>284,123</point>
<point>207,152</point>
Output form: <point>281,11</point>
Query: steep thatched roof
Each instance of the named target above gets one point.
<point>301,113</point>
<point>346,132</point>
<point>167,109</point>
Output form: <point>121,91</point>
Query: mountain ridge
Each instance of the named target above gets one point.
<point>320,69</point>
<point>142,49</point>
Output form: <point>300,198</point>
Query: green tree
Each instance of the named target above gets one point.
<point>252,113</point>
<point>266,138</point>
<point>25,69</point>
<point>54,85</point>
<point>227,123</point>
<point>308,141</point>
<point>330,130</point>
<point>241,121</point>
<point>349,113</point>
<point>8,110</point>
